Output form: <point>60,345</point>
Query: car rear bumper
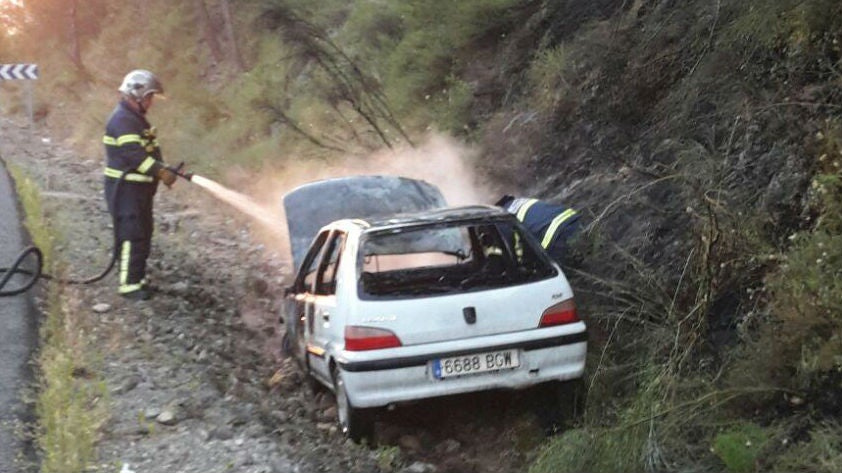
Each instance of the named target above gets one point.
<point>383,381</point>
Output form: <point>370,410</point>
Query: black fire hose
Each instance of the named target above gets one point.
<point>38,273</point>
<point>39,256</point>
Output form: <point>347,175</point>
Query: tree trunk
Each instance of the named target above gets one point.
<point>210,34</point>
<point>232,38</point>
<point>75,48</point>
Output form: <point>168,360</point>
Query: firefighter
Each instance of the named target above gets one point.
<point>133,155</point>
<point>555,226</point>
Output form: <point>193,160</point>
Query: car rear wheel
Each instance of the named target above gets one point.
<point>357,424</point>
<point>561,404</point>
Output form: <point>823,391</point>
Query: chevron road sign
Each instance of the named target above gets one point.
<point>18,71</point>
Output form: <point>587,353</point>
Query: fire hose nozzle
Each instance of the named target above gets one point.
<point>179,171</point>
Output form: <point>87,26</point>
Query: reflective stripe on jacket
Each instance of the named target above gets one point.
<point>546,221</point>
<point>131,146</point>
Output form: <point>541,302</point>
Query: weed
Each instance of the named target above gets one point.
<point>388,458</point>
<point>547,75</point>
<point>30,199</point>
<point>572,451</point>
<point>144,424</point>
<point>739,446</point>
<point>451,109</point>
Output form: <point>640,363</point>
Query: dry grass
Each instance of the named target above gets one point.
<point>70,403</point>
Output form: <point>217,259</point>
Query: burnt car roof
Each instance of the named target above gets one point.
<point>451,214</point>
<point>311,206</point>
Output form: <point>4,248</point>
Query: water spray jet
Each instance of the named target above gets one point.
<point>241,202</point>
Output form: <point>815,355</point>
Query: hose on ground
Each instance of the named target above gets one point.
<point>37,273</point>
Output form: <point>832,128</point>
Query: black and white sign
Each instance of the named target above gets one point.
<point>18,71</point>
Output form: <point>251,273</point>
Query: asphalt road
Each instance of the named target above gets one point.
<point>18,336</point>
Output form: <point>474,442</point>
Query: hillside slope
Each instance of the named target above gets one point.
<point>701,139</point>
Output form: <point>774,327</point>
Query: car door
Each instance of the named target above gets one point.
<point>299,300</point>
<point>325,305</point>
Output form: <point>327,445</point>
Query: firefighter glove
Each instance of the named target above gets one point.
<point>167,177</point>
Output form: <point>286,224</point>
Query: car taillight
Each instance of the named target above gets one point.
<point>559,314</point>
<point>369,338</point>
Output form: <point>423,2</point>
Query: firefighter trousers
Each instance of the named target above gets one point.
<point>133,227</point>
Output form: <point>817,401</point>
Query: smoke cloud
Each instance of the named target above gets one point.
<point>439,160</point>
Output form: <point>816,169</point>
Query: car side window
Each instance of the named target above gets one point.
<point>307,275</point>
<point>326,281</point>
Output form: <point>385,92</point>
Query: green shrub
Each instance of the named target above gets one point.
<point>451,110</point>
<point>632,443</point>
<point>435,45</point>
<point>570,452</point>
<point>739,446</point>
<point>807,290</point>
<point>806,310</point>
<point>547,76</point>
<point>782,23</point>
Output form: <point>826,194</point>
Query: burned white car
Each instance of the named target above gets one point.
<point>400,308</point>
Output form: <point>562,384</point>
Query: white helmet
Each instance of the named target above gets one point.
<point>139,83</point>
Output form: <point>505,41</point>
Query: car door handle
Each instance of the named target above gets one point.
<point>325,316</point>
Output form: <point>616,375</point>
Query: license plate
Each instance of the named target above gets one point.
<point>476,363</point>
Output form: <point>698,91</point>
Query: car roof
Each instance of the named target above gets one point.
<point>314,205</point>
<point>445,215</point>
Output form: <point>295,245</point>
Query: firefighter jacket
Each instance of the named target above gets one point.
<point>131,146</point>
<point>551,224</point>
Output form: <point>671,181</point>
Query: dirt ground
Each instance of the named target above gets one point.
<point>195,376</point>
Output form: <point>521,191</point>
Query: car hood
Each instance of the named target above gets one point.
<point>310,207</point>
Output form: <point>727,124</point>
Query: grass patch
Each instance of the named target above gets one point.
<point>547,77</point>
<point>70,403</point>
<point>739,447</point>
<point>33,210</point>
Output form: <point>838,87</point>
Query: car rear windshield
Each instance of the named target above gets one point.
<point>442,259</point>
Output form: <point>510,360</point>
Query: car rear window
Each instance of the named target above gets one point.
<point>442,259</point>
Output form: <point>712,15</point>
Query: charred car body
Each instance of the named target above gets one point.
<point>399,308</point>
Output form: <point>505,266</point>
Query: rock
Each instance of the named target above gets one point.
<point>281,464</point>
<point>181,286</point>
<point>127,385</point>
<point>450,446</point>
<point>329,413</point>
<point>101,308</point>
<point>240,415</point>
<point>324,425</point>
<point>254,431</point>
<point>280,416</point>
<point>203,355</point>
<point>167,417</point>
<point>410,442</point>
<point>151,413</point>
<point>259,286</point>
<point>796,401</point>
<point>220,433</point>
<point>419,467</point>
